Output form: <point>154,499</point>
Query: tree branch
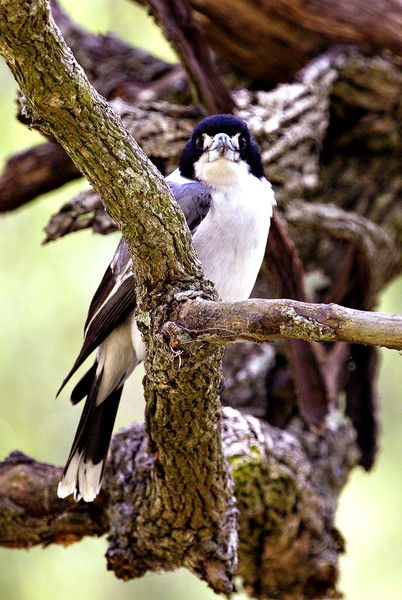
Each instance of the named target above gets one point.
<point>257,320</point>
<point>181,493</point>
<point>266,463</point>
<point>305,357</point>
<point>33,172</point>
<point>117,69</point>
<point>175,18</point>
<point>31,513</point>
<point>292,32</point>
<point>124,171</point>
<point>138,199</point>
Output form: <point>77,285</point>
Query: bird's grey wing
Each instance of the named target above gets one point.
<point>115,296</point>
<point>112,302</point>
<point>194,199</point>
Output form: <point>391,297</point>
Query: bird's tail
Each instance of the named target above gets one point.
<point>82,475</point>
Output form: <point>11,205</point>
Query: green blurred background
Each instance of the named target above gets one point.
<point>44,296</point>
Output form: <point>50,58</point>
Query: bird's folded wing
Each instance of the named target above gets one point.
<point>113,312</point>
<point>115,297</point>
<point>117,272</point>
<point>194,199</point>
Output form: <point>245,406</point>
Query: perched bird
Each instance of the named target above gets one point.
<point>227,202</point>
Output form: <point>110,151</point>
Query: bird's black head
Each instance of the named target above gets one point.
<point>236,144</point>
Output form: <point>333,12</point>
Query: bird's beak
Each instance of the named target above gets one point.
<point>221,146</point>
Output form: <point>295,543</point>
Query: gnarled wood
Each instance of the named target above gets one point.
<point>313,135</point>
<point>266,464</point>
<point>270,40</point>
<point>32,514</point>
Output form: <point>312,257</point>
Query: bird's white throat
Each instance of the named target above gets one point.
<point>220,172</point>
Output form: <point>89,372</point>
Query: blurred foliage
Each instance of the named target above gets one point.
<point>44,295</point>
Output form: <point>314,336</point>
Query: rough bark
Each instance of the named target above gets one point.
<point>138,199</point>
<point>116,69</point>
<point>31,512</point>
<point>224,323</point>
<point>349,252</point>
<point>119,70</point>
<point>286,507</point>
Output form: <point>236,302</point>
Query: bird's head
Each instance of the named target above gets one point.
<point>220,149</point>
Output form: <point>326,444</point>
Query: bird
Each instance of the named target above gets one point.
<point>228,203</point>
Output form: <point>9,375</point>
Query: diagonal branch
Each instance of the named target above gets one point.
<point>186,477</point>
<point>176,19</point>
<point>93,135</point>
<point>138,199</point>
<point>305,356</point>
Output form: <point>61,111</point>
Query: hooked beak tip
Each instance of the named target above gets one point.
<point>222,146</point>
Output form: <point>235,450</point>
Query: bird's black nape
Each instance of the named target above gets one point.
<point>231,125</point>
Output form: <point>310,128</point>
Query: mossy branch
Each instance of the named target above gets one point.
<point>286,506</point>
<point>191,476</point>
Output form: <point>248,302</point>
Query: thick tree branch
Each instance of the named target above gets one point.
<point>257,320</point>
<point>269,464</point>
<point>117,69</point>
<point>291,32</point>
<point>287,504</point>
<point>31,513</point>
<point>124,172</point>
<point>161,130</point>
<point>138,199</point>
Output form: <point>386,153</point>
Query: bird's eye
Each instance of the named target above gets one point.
<point>199,142</point>
<point>242,142</point>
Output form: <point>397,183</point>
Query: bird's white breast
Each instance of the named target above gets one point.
<point>230,241</point>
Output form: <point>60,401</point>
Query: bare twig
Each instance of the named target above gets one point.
<point>258,320</point>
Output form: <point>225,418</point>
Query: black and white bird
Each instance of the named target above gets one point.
<point>227,202</point>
